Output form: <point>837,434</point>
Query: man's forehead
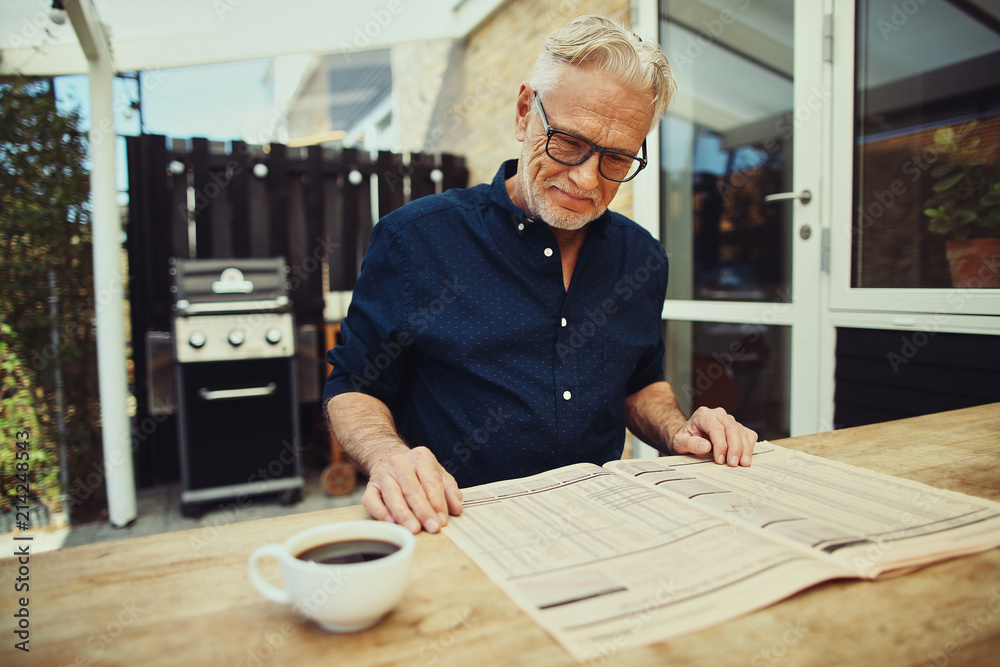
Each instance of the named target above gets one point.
<point>579,83</point>
<point>585,100</point>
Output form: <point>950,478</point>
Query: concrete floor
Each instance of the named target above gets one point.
<point>159,512</point>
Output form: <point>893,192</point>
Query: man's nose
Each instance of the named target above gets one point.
<point>587,174</point>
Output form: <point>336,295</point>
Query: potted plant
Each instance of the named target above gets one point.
<point>965,205</point>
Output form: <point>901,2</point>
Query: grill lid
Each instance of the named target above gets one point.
<point>203,285</point>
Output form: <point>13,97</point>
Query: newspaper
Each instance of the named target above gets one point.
<point>642,550</point>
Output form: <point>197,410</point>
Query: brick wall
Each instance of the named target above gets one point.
<point>499,55</point>
<point>426,84</point>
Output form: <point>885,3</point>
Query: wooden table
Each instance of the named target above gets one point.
<point>184,598</point>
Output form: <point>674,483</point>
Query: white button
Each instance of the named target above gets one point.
<point>567,395</point>
<point>564,321</point>
<point>548,252</point>
<point>520,227</point>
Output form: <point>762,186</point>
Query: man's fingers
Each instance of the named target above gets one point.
<point>384,501</point>
<point>736,441</point>
<point>394,490</point>
<point>453,494</point>
<point>429,475</point>
<point>414,501</point>
<point>740,441</point>
<point>749,442</point>
<point>729,442</point>
<point>720,446</point>
<point>372,501</point>
<point>712,425</point>
<point>685,443</point>
<point>404,503</point>
<point>415,491</point>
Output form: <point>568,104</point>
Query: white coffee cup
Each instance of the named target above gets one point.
<point>342,597</point>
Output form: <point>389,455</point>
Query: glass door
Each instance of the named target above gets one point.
<point>741,152</point>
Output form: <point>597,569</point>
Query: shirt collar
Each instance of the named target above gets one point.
<point>521,220</point>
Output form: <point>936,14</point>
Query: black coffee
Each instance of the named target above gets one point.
<point>348,551</point>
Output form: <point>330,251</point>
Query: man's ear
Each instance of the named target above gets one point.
<point>525,97</point>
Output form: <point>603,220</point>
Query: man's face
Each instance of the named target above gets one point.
<point>590,105</point>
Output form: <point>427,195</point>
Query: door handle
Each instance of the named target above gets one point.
<point>805,196</point>
<point>249,392</point>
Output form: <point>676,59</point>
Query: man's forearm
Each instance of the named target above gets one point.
<point>365,429</point>
<point>653,415</point>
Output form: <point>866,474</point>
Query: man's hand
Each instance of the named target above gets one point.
<point>716,433</point>
<point>412,489</point>
<point>405,486</point>
<point>653,415</point>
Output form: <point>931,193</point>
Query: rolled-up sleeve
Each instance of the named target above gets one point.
<point>648,370</point>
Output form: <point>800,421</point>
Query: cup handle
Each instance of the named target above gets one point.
<point>268,589</point>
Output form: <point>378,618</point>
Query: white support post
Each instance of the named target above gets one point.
<point>109,281</point>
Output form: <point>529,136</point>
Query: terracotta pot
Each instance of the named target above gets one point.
<point>974,262</point>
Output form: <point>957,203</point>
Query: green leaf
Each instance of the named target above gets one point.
<point>943,170</point>
<point>965,217</point>
<point>932,212</point>
<point>948,182</point>
<point>939,226</point>
<point>945,135</point>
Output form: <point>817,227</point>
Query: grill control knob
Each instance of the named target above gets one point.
<point>236,337</point>
<point>197,339</point>
<point>273,335</point>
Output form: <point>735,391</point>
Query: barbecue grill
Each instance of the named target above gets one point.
<point>235,373</point>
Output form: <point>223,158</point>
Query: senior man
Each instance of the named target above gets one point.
<point>514,327</point>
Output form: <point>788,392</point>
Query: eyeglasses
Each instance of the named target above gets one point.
<point>571,150</point>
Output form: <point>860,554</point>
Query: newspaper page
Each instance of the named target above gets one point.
<point>867,521</point>
<point>605,564</point>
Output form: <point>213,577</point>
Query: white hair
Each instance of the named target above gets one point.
<point>615,50</point>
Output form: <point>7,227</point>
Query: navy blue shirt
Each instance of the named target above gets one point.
<point>460,323</point>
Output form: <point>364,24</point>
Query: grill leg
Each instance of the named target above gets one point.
<point>291,497</point>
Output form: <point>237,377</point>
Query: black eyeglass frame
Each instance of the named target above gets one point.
<point>594,148</point>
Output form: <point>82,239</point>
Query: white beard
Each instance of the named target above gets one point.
<point>555,216</point>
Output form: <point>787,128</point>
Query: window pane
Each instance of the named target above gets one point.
<point>740,367</point>
<point>726,143</point>
<point>927,144</point>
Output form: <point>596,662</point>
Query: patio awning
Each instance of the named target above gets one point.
<point>147,35</point>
